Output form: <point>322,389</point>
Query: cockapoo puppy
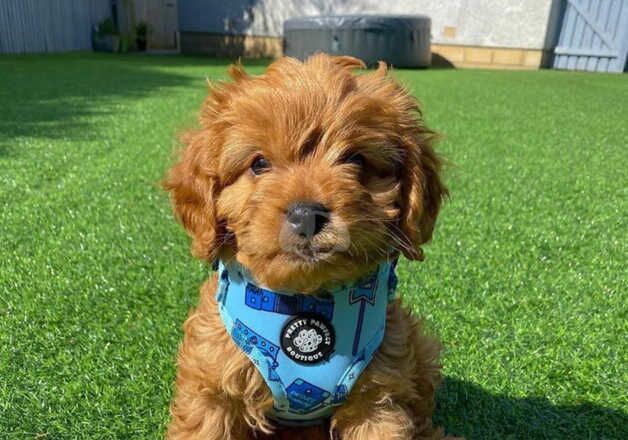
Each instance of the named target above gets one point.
<point>303,186</point>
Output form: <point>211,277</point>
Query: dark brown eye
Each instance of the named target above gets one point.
<point>260,165</point>
<point>355,159</point>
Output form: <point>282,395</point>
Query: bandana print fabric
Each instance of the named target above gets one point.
<point>310,349</point>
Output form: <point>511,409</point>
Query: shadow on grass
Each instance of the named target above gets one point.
<point>65,96</point>
<point>466,410</point>
<point>191,60</point>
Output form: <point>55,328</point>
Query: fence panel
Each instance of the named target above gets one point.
<point>35,26</point>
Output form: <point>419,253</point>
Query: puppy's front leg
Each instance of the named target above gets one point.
<point>193,418</point>
<point>382,421</point>
<point>217,388</point>
<point>394,397</point>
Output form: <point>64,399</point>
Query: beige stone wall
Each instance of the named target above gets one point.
<point>230,46</point>
<point>263,47</point>
<point>487,57</point>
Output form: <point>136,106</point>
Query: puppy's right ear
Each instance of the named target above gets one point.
<point>193,184</point>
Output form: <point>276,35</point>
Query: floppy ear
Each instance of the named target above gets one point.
<point>421,188</point>
<point>194,182</point>
<point>422,191</point>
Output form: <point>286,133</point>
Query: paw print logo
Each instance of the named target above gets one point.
<point>307,341</point>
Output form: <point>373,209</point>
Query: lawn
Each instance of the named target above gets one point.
<point>525,282</point>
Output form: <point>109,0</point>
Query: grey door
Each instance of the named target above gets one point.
<point>162,17</point>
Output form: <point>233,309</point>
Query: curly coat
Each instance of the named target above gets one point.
<point>309,119</point>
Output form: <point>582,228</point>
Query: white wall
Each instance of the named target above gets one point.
<point>499,23</point>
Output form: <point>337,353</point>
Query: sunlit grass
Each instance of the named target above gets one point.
<point>525,281</point>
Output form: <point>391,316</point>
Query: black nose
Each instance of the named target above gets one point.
<point>306,219</point>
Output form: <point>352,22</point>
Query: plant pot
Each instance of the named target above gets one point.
<point>102,43</point>
<point>115,43</point>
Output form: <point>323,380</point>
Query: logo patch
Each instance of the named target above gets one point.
<point>308,339</point>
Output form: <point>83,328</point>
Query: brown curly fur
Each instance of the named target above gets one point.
<point>306,119</point>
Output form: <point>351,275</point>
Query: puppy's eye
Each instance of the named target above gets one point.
<point>260,165</point>
<point>355,159</point>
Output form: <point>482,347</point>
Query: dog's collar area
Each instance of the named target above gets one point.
<point>243,273</point>
<point>310,349</point>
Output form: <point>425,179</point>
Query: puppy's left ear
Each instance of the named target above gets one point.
<point>422,191</point>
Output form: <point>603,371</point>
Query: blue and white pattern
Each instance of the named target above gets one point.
<point>268,301</point>
<point>255,317</point>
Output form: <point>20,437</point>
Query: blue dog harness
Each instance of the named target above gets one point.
<point>310,349</point>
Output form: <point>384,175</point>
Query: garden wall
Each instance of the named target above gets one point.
<point>485,33</point>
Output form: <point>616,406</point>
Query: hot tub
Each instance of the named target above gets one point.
<point>399,40</point>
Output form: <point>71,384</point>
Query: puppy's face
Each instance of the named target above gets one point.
<point>308,175</point>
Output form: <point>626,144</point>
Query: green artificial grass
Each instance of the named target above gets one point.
<point>525,282</point>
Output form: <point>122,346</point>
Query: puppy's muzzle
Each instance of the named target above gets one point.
<point>306,219</point>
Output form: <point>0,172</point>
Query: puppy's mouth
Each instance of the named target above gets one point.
<point>305,262</point>
<point>332,240</point>
<point>310,253</point>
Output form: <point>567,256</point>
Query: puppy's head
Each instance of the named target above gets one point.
<point>308,175</point>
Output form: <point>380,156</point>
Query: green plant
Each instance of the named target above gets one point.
<point>107,27</point>
<point>142,29</point>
